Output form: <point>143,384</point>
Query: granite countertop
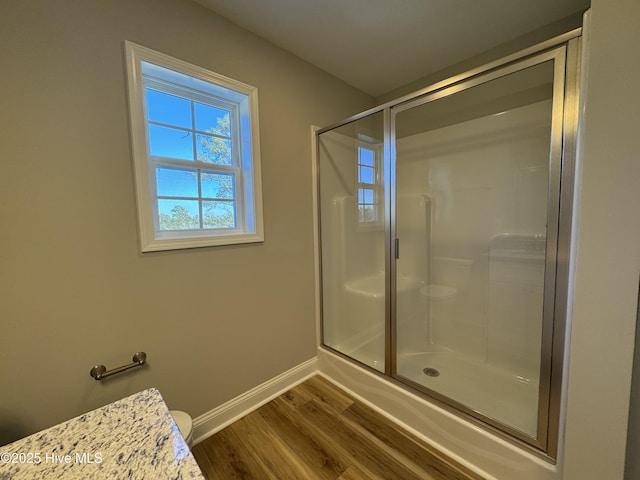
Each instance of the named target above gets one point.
<point>133,438</point>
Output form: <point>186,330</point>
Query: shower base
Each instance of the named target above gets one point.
<point>492,390</point>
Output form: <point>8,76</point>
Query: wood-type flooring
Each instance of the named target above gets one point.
<point>315,431</point>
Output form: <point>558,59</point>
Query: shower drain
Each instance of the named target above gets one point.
<point>431,372</point>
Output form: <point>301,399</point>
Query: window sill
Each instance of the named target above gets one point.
<point>160,244</point>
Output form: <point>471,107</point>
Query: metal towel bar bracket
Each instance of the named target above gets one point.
<point>100,371</point>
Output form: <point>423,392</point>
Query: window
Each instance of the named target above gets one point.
<point>369,185</point>
<point>196,156</point>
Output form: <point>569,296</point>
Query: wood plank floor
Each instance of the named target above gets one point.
<point>316,431</point>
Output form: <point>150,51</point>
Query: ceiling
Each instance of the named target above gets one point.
<point>380,45</point>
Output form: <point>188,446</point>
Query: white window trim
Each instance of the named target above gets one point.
<point>150,238</point>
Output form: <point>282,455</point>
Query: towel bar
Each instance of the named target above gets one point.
<point>100,371</point>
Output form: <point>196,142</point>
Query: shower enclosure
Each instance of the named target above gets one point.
<point>444,231</point>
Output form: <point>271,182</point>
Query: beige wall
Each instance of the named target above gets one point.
<point>74,288</point>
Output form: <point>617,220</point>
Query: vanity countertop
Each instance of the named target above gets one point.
<point>133,438</point>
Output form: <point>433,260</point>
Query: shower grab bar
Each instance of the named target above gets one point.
<point>100,371</point>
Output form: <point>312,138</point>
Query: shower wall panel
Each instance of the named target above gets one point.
<point>472,171</point>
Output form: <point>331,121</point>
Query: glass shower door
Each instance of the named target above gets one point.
<point>476,200</point>
<point>352,228</point>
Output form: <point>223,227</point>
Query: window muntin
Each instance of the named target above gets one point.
<point>195,152</point>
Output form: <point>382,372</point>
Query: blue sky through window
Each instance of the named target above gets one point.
<point>170,142</point>
<point>367,157</point>
<point>367,173</point>
<point>177,183</point>
<point>169,109</point>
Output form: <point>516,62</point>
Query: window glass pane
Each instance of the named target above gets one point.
<point>214,150</point>
<point>367,213</point>
<point>212,119</point>
<point>219,214</point>
<point>218,185</point>
<point>170,142</point>
<point>372,213</point>
<point>367,157</point>
<point>366,174</point>
<point>365,195</point>
<point>172,182</point>
<point>165,108</point>
<point>178,214</point>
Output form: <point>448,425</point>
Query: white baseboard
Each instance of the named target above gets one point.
<point>215,420</point>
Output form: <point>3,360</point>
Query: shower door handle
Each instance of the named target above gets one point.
<point>397,247</point>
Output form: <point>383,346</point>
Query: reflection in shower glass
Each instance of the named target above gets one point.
<point>350,161</point>
<point>472,189</point>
